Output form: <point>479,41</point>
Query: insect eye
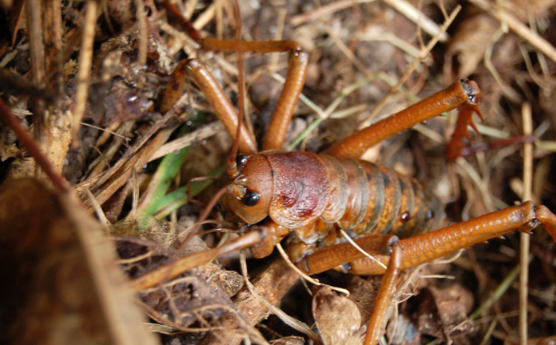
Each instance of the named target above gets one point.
<point>251,198</point>
<point>241,161</point>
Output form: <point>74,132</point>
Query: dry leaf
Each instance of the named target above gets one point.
<point>443,312</point>
<point>60,281</point>
<point>337,317</point>
<point>468,45</point>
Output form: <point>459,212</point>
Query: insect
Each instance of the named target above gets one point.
<point>315,197</point>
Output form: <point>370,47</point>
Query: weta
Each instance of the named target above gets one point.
<point>314,197</point>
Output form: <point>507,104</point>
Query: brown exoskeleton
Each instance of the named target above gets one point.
<point>315,197</point>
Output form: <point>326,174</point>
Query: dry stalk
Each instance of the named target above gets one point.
<point>525,237</point>
<point>84,70</point>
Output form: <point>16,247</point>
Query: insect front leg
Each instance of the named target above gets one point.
<point>295,79</point>
<point>222,106</point>
<point>273,234</point>
<point>298,63</point>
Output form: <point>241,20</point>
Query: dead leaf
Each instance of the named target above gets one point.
<point>403,331</point>
<point>468,45</point>
<point>9,151</point>
<point>337,317</point>
<point>60,282</point>
<point>443,312</point>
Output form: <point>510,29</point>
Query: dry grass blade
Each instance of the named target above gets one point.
<point>324,10</point>
<point>290,321</point>
<point>419,18</point>
<point>197,136</point>
<point>305,276</point>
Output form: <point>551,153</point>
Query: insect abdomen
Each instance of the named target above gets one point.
<point>379,200</point>
<point>356,196</point>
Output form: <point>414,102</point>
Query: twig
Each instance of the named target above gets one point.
<point>27,141</point>
<point>189,8</point>
<point>84,71</point>
<point>38,73</point>
<point>142,19</point>
<point>205,17</point>
<point>525,237</point>
<point>325,10</point>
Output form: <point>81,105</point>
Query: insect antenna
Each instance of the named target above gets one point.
<point>232,167</point>
<point>204,215</point>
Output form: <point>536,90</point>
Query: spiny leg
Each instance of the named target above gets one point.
<point>427,247</point>
<point>423,249</point>
<point>186,263</point>
<point>295,79</point>
<point>457,147</point>
<point>298,61</point>
<point>383,296</point>
<point>462,93</point>
<point>456,144</point>
<point>433,245</point>
<point>214,94</point>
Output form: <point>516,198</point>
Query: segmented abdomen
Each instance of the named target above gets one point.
<point>318,195</point>
<point>370,199</point>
